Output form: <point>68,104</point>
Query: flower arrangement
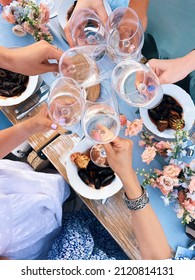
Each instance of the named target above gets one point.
<point>29,17</point>
<point>177,179</point>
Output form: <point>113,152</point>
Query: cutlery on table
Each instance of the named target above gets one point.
<point>39,92</point>
<point>23,114</point>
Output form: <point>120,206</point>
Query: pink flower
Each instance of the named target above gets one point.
<point>191,186</point>
<point>5,2</point>
<point>192,165</point>
<point>149,154</point>
<point>142,143</point>
<point>44,13</point>
<point>171,170</point>
<point>123,120</point>
<point>166,184</point>
<point>9,17</point>
<point>133,128</point>
<point>27,27</point>
<point>189,206</point>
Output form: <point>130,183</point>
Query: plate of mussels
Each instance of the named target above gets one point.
<point>87,178</point>
<point>175,111</point>
<point>15,88</point>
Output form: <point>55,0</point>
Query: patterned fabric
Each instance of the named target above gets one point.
<point>84,238</point>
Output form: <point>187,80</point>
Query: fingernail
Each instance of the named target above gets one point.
<point>54,126</point>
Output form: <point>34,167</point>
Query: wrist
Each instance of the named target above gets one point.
<point>189,61</point>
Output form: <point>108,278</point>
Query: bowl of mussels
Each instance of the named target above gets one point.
<point>15,87</point>
<point>176,111</point>
<point>88,179</point>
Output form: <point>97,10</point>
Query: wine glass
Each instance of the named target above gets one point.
<point>137,84</point>
<point>87,28</point>
<point>88,65</point>
<point>125,33</point>
<point>100,120</point>
<point>65,103</point>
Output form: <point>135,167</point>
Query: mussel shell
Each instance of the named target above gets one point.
<point>4,92</point>
<point>84,176</point>
<point>107,180</point>
<point>104,172</point>
<point>93,166</point>
<point>17,90</point>
<point>97,183</point>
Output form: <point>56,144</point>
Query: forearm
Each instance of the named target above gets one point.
<point>141,8</point>
<point>147,228</point>
<point>4,58</point>
<point>13,136</point>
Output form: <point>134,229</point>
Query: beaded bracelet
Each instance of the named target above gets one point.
<point>137,203</point>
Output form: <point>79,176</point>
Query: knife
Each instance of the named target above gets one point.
<point>36,95</point>
<point>22,115</point>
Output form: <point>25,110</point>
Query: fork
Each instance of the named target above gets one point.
<point>40,92</point>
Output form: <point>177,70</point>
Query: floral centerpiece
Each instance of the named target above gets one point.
<point>176,180</point>
<point>28,17</point>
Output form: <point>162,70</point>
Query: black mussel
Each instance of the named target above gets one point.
<point>154,115</point>
<point>3,73</point>
<point>8,85</point>
<point>170,100</point>
<point>107,180</point>
<point>17,90</point>
<point>105,172</point>
<point>22,79</point>
<point>84,176</point>
<point>93,166</point>
<point>176,108</point>
<point>97,183</point>
<point>15,77</point>
<point>5,93</point>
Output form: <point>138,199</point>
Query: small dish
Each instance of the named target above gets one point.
<point>31,86</point>
<point>79,186</point>
<point>63,10</point>
<point>187,104</point>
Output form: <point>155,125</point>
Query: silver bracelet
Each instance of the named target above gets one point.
<point>137,203</point>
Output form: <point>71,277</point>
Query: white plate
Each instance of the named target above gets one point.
<point>79,186</point>
<point>63,9</point>
<point>188,112</point>
<point>31,86</point>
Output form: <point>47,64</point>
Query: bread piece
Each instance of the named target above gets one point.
<point>82,161</point>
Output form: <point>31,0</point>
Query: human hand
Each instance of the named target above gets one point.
<point>170,71</point>
<point>41,122</point>
<point>119,155</point>
<point>33,59</point>
<point>96,6</point>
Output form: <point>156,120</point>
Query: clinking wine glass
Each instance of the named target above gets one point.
<point>125,33</point>
<point>65,103</point>
<point>87,28</point>
<point>100,121</point>
<point>88,65</point>
<point>137,84</point>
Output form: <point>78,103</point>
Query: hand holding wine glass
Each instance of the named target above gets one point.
<point>65,103</point>
<point>87,28</point>
<point>125,33</point>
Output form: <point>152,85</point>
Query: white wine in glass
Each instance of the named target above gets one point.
<point>65,103</point>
